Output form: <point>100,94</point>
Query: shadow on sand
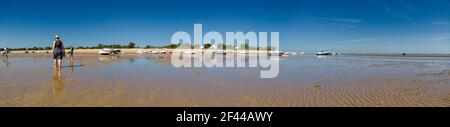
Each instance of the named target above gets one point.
<point>70,66</point>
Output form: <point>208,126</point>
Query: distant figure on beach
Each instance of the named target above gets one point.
<point>5,52</point>
<point>58,51</point>
<point>71,50</point>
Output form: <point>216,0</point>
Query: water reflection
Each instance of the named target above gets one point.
<point>5,62</point>
<point>153,79</point>
<point>108,59</point>
<point>323,57</point>
<point>214,60</point>
<point>132,60</point>
<point>71,65</point>
<point>162,59</point>
<point>58,83</point>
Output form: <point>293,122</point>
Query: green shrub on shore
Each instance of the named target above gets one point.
<point>170,46</point>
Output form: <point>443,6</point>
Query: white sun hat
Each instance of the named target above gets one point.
<point>56,36</point>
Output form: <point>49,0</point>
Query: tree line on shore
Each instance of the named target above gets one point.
<point>133,45</point>
<point>99,46</point>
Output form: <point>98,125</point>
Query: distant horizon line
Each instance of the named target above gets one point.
<point>304,51</point>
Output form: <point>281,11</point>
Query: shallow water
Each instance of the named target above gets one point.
<point>151,80</point>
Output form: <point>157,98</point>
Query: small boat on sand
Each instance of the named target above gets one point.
<point>107,51</point>
<point>324,53</point>
<point>290,53</point>
<point>154,52</point>
<point>189,52</point>
<point>116,51</point>
<point>277,53</point>
<point>141,52</point>
<point>243,52</point>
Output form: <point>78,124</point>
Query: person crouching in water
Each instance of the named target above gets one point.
<point>58,51</point>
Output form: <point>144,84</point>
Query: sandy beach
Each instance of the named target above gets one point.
<point>89,51</point>
<point>150,80</point>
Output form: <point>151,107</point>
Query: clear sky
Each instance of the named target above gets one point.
<point>416,26</point>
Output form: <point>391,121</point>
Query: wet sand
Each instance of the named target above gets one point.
<point>150,80</point>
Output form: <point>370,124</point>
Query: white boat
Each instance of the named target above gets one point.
<point>219,52</point>
<point>277,53</point>
<point>324,53</point>
<point>154,52</point>
<point>243,52</point>
<point>105,51</point>
<point>290,53</point>
<point>188,52</point>
<point>141,52</point>
<point>252,52</point>
<point>116,51</point>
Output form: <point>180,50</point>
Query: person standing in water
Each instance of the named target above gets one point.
<point>70,62</point>
<point>5,52</point>
<point>71,51</point>
<point>58,51</point>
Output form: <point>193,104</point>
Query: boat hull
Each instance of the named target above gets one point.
<point>324,54</point>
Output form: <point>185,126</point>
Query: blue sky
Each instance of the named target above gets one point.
<point>416,26</point>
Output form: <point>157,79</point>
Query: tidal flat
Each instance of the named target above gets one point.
<point>151,80</point>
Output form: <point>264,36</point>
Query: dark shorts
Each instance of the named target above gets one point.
<point>58,54</point>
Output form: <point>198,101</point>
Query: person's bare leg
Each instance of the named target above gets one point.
<point>55,63</point>
<point>59,63</point>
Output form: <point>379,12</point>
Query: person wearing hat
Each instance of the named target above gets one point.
<point>5,52</point>
<point>58,51</point>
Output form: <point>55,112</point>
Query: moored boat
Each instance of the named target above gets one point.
<point>116,51</point>
<point>154,52</point>
<point>277,53</point>
<point>105,51</point>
